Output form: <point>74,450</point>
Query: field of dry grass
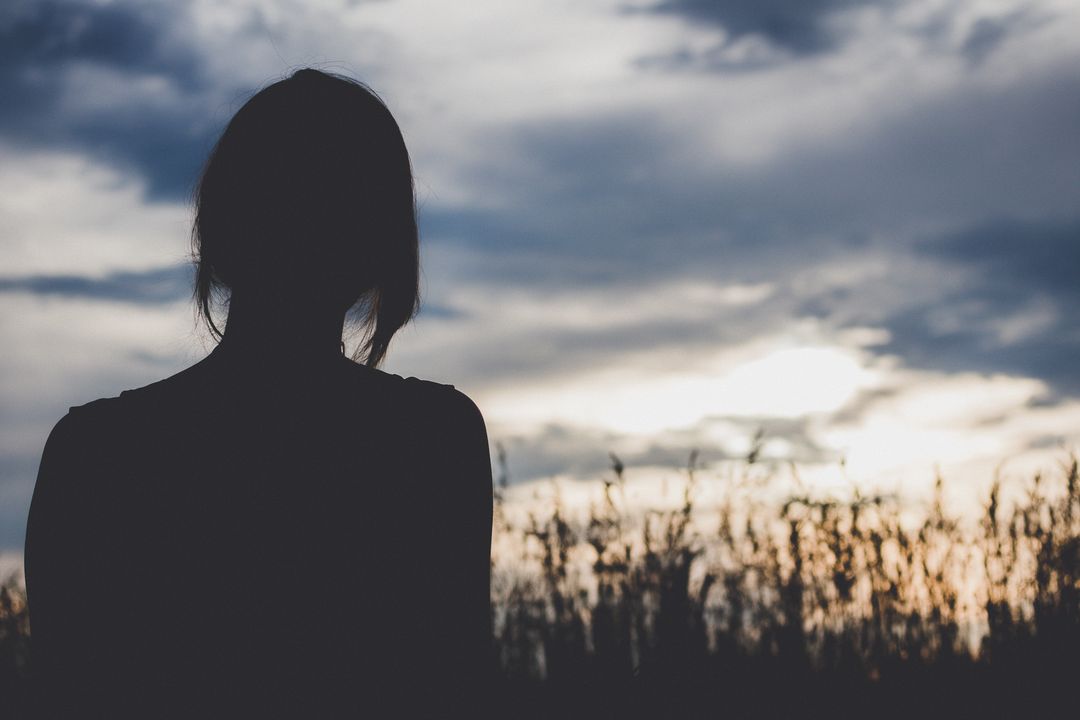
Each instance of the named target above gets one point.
<point>811,604</point>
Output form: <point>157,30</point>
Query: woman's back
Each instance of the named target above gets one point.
<point>276,530</point>
<point>286,536</point>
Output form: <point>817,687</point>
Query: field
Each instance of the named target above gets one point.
<point>803,607</point>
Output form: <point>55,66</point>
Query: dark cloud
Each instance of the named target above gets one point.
<point>606,199</point>
<point>161,285</point>
<point>799,26</point>
<point>716,58</point>
<point>988,33</point>
<point>1019,257</point>
<point>42,44</point>
<point>1025,273</point>
<point>39,34</point>
<point>985,36</point>
<point>148,287</point>
<point>584,453</point>
<point>556,449</point>
<point>792,30</point>
<point>622,203</point>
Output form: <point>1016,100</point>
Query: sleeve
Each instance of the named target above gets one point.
<point>468,610</point>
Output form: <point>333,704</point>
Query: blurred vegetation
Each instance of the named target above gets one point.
<point>806,606</point>
<point>803,606</point>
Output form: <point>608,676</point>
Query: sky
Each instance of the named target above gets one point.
<point>647,226</point>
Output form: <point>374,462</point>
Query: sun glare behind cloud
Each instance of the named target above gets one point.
<point>788,383</point>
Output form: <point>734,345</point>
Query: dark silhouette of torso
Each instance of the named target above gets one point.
<point>304,537</point>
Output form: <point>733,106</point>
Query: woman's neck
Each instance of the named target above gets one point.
<point>264,328</point>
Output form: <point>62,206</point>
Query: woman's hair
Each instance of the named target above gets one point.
<point>309,191</point>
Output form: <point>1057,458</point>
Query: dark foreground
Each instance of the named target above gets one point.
<point>811,608</point>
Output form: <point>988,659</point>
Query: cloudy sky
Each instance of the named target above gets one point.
<point>648,226</point>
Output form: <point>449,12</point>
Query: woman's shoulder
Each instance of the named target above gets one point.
<point>450,399</point>
<point>68,474</point>
<point>411,397</point>
<point>442,398</point>
<point>81,420</point>
<point>99,419</point>
<point>85,434</point>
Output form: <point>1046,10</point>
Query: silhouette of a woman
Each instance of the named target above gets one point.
<point>278,529</point>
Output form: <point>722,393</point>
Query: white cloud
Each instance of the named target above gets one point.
<point>964,423</point>
<point>62,213</point>
<point>68,352</point>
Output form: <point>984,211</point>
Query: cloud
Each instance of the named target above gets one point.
<point>622,194</point>
<point>1008,307</point>
<point>118,81</point>
<point>761,36</point>
<point>799,26</point>
<point>962,422</point>
<point>842,223</point>
<point>1018,254</point>
<point>581,453</point>
<point>64,213</point>
<point>901,429</point>
<point>129,36</point>
<point>986,34</point>
<point>892,189</point>
<point>164,285</point>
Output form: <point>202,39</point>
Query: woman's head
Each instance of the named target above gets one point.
<point>307,199</point>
